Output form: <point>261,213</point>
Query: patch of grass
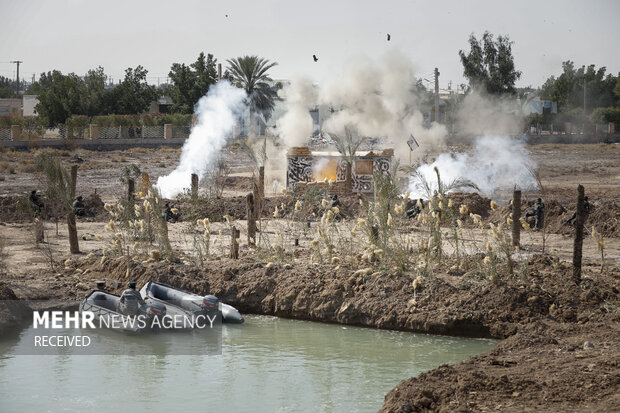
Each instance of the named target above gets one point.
<point>7,167</point>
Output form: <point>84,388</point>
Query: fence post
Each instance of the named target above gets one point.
<point>74,246</point>
<point>261,188</point>
<point>167,131</point>
<point>94,132</point>
<point>577,247</point>
<point>234,246</point>
<point>194,186</point>
<point>251,217</point>
<point>16,133</point>
<point>131,187</point>
<point>516,215</point>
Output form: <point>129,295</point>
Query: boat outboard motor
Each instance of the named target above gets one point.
<point>128,304</point>
<point>211,303</point>
<point>155,310</point>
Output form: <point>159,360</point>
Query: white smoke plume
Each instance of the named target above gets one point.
<point>216,118</point>
<point>295,126</point>
<point>496,163</point>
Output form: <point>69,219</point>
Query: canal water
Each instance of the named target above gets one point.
<point>268,364</point>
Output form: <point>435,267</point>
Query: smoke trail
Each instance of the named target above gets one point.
<point>497,162</point>
<point>216,118</point>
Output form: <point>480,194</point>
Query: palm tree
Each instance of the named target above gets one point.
<point>250,74</point>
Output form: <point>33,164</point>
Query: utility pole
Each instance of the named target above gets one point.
<point>584,92</point>
<point>436,95</point>
<point>17,62</point>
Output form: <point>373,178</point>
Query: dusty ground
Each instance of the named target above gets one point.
<point>562,168</point>
<point>560,351</point>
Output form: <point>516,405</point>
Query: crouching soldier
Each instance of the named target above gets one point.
<point>78,207</point>
<point>415,210</point>
<point>170,214</point>
<point>538,212</point>
<point>586,213</point>
<point>35,203</point>
<point>131,301</point>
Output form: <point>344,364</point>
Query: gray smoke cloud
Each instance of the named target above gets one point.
<point>377,98</point>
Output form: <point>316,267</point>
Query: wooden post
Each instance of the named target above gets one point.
<point>516,215</point>
<point>194,186</point>
<point>251,217</point>
<point>234,246</point>
<point>261,188</point>
<point>374,232</point>
<point>131,187</point>
<point>74,246</point>
<point>578,237</point>
<point>74,169</point>
<point>258,212</point>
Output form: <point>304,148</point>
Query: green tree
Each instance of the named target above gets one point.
<point>489,64</point>
<point>192,82</point>
<point>133,95</point>
<point>568,88</point>
<point>250,74</point>
<point>60,96</point>
<point>7,88</point>
<point>95,81</point>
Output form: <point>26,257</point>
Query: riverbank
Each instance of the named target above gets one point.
<point>558,336</point>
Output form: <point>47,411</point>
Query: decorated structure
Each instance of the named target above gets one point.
<point>309,168</point>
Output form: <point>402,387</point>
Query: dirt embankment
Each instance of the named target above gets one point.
<point>12,311</point>
<point>546,367</point>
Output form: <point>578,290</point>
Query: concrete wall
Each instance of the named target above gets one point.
<point>10,107</point>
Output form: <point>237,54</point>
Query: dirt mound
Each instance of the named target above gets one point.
<point>475,203</point>
<point>216,208</point>
<point>605,217</point>
<point>16,208</point>
<point>94,209</point>
<point>238,183</point>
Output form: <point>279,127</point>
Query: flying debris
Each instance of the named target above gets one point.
<point>227,15</point>
<point>389,37</point>
<point>316,59</point>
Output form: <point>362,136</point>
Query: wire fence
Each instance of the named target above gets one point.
<point>5,134</point>
<point>109,132</point>
<point>152,132</point>
<point>181,131</point>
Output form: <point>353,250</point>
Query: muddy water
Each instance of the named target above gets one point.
<point>267,365</point>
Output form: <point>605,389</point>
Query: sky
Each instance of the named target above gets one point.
<point>77,35</point>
